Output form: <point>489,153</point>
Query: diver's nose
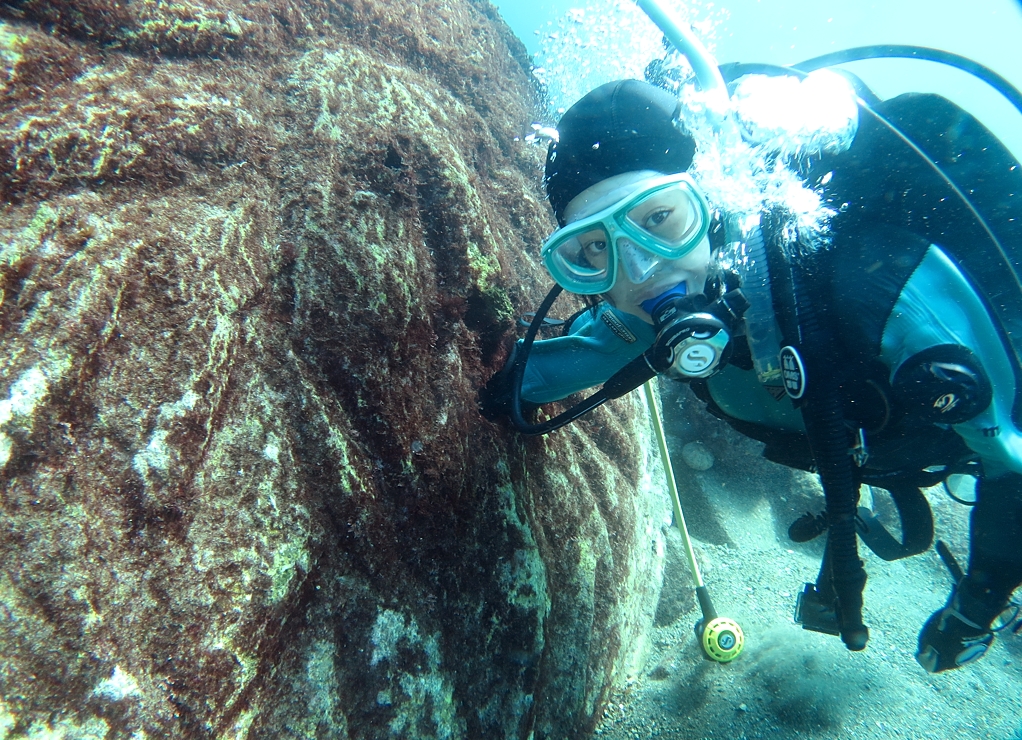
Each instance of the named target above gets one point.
<point>639,264</point>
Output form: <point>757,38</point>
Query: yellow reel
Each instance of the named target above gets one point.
<point>722,639</point>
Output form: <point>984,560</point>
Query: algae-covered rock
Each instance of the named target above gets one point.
<point>255,260</point>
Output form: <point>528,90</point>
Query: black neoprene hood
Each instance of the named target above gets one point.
<point>619,127</point>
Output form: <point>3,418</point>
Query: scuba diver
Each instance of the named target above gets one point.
<point>885,357</point>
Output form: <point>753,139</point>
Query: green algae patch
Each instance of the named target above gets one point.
<point>92,729</point>
<point>188,29</point>
<point>11,45</point>
<point>486,265</point>
<point>30,237</point>
<point>419,692</point>
<point>122,122</point>
<point>18,410</point>
<point>524,577</point>
<point>288,559</point>
<point>7,721</point>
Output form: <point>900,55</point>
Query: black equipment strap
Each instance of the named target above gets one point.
<point>916,525</point>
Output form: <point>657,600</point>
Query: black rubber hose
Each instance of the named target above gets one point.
<point>901,51</point>
<point>634,374</point>
<point>521,359</point>
<point>830,442</point>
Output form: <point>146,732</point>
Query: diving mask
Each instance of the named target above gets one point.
<point>664,220</point>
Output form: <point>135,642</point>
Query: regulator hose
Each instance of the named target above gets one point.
<point>902,51</point>
<point>822,411</point>
<point>829,441</point>
<point>627,379</point>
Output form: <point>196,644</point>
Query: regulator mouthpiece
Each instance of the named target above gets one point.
<point>652,305</point>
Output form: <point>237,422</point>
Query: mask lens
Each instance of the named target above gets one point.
<point>672,217</point>
<point>580,262</point>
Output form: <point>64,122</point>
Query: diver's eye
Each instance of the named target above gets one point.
<point>595,247</point>
<point>657,217</point>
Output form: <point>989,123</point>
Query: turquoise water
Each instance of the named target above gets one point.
<point>789,31</point>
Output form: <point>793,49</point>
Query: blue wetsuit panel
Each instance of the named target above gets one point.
<point>740,395</point>
<point>939,306</point>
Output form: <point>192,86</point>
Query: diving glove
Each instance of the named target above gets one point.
<point>495,397</point>
<point>950,639</point>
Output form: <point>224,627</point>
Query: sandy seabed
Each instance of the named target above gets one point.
<point>790,683</point>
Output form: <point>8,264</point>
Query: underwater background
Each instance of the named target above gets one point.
<point>786,32</point>
<point>256,258</point>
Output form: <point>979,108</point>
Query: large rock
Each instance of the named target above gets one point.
<point>255,260</point>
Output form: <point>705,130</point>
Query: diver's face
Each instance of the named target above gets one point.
<point>641,274</point>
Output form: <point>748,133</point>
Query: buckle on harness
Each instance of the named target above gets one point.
<point>860,452</point>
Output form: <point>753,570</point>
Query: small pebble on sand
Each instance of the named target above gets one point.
<point>696,456</point>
